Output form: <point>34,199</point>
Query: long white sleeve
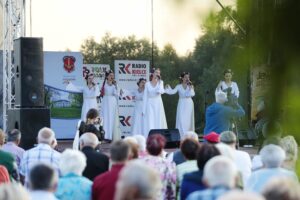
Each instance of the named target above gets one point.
<point>190,92</point>
<point>161,88</point>
<point>171,91</point>
<point>73,88</point>
<point>145,98</point>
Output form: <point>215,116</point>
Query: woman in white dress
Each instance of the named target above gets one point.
<point>228,84</point>
<point>137,125</point>
<point>185,120</point>
<point>109,108</point>
<point>153,108</point>
<point>90,93</point>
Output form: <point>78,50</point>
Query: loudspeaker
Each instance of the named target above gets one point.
<point>29,79</point>
<point>29,121</point>
<point>172,136</point>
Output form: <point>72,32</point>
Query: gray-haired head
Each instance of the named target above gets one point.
<point>14,136</point>
<point>290,146</point>
<point>72,161</point>
<point>141,142</point>
<point>138,181</point>
<point>88,140</point>
<point>228,137</point>
<point>190,135</point>
<point>221,97</point>
<point>46,136</point>
<point>272,156</point>
<point>220,171</point>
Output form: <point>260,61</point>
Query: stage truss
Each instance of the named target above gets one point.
<point>13,28</point>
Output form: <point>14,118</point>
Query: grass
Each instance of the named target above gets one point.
<point>67,113</point>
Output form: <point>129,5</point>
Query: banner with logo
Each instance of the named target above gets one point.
<point>60,68</point>
<point>260,84</point>
<point>127,74</point>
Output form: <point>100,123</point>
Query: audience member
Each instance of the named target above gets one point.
<point>256,160</point>
<point>7,159</point>
<point>177,156</point>
<point>290,147</point>
<point>104,185</point>
<point>189,149</point>
<point>43,152</point>
<point>272,157</point>
<point>134,147</point>
<point>72,185</point>
<point>138,181</point>
<point>13,191</point>
<point>241,158</point>
<point>219,175</point>
<point>225,150</point>
<point>43,182</point>
<point>142,145</point>
<point>166,169</point>
<point>212,138</point>
<point>282,189</point>
<point>96,162</point>
<point>193,181</point>
<point>218,116</point>
<point>241,195</point>
<point>13,140</point>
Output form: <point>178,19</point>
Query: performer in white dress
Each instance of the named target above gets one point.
<point>137,125</point>
<point>90,93</point>
<point>185,120</point>
<point>153,108</point>
<point>109,108</point>
<point>228,84</point>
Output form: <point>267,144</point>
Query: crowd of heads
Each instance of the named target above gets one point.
<point>139,179</point>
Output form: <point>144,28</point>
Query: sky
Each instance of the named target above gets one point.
<point>65,24</point>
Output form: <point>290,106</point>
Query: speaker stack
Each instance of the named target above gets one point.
<point>29,114</point>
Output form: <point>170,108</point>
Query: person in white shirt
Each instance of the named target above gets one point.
<point>241,158</point>
<point>185,119</point>
<point>153,108</point>
<point>228,84</point>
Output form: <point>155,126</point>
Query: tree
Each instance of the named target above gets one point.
<point>112,48</point>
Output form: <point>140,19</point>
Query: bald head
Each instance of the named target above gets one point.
<point>88,139</point>
<point>46,136</point>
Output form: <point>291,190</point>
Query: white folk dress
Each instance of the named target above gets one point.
<point>110,114</point>
<point>137,125</point>
<point>185,118</point>
<point>153,108</point>
<point>89,97</point>
<point>234,88</point>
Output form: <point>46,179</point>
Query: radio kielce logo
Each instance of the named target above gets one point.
<point>134,69</point>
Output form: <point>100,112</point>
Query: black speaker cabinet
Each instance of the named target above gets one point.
<point>29,79</point>
<point>29,121</point>
<point>172,136</point>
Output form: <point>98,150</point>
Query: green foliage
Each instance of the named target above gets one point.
<point>66,113</point>
<point>112,48</point>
